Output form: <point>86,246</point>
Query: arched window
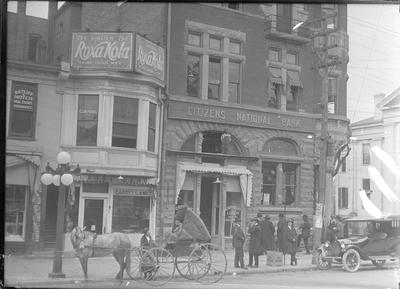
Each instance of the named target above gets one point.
<point>280,147</point>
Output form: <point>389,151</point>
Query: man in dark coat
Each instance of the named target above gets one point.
<point>238,239</point>
<point>305,228</point>
<point>267,234</point>
<point>291,241</point>
<point>281,232</point>
<point>255,245</point>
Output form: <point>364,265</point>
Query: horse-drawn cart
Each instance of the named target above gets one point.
<point>188,250</point>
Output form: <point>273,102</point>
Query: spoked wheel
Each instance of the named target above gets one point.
<point>207,263</point>
<point>351,260</point>
<point>321,263</point>
<point>157,266</point>
<point>134,269</point>
<point>379,263</point>
<point>183,267</point>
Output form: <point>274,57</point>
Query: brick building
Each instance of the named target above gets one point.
<point>230,129</point>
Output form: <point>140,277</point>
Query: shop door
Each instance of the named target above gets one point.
<point>209,204</point>
<point>94,215</point>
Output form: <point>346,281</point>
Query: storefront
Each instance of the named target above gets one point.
<point>232,162</point>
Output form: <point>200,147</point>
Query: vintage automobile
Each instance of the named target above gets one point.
<point>377,240</point>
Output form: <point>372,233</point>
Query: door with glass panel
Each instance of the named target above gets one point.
<point>94,215</point>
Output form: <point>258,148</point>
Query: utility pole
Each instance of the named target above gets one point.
<point>323,64</point>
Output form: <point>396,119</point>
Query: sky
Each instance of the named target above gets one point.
<point>374,55</point>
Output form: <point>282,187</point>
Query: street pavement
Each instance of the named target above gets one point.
<point>33,270</point>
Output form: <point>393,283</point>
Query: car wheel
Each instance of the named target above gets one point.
<point>379,263</point>
<point>351,260</point>
<point>322,264</point>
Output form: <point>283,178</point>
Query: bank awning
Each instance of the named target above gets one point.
<point>245,176</point>
<point>293,78</point>
<point>275,75</point>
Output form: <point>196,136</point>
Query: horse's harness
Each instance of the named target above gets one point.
<point>83,237</point>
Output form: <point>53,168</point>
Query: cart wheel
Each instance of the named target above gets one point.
<point>207,263</point>
<point>134,269</point>
<point>351,260</point>
<point>322,264</point>
<point>182,265</point>
<point>157,266</point>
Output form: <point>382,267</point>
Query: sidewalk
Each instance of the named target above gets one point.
<point>33,270</point>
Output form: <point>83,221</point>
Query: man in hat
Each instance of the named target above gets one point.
<point>267,233</point>
<point>255,245</point>
<point>305,228</point>
<point>238,239</point>
<point>291,242</point>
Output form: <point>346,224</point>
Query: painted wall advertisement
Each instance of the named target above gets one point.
<point>23,95</point>
<point>102,50</point>
<point>116,51</point>
<point>149,58</point>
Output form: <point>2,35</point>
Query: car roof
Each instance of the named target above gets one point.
<point>368,218</point>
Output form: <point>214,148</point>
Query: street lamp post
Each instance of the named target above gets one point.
<point>61,177</point>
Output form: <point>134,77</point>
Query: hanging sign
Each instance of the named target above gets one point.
<point>102,50</point>
<point>149,58</point>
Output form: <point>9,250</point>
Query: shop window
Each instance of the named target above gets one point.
<point>290,174</point>
<point>130,214</point>
<point>210,74</point>
<point>125,119</point>
<point>193,75</point>
<point>365,154</point>
<point>15,212</point>
<point>234,82</point>
<point>88,108</point>
<point>233,210</point>
<point>185,198</point>
<point>152,127</point>
<point>269,183</point>
<point>343,198</point>
<point>292,98</point>
<point>214,78</point>
<point>23,109</point>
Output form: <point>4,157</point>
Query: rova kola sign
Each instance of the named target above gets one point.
<point>102,50</point>
<point>149,58</point>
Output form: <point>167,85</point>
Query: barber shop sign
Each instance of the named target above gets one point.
<point>121,51</point>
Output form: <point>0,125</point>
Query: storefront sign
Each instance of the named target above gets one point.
<point>149,58</point>
<point>102,50</point>
<point>238,116</point>
<point>23,95</point>
<point>136,191</point>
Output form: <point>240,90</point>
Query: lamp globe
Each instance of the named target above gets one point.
<point>56,180</point>
<point>63,158</point>
<point>46,179</point>
<point>67,179</point>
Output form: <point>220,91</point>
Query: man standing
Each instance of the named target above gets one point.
<point>305,228</point>
<point>281,231</point>
<point>238,239</point>
<point>255,246</point>
<point>267,234</point>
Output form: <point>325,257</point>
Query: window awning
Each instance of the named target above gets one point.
<point>294,78</point>
<point>275,75</point>
<point>20,159</point>
<point>245,176</point>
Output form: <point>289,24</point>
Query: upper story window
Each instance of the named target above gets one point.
<point>88,109</point>
<point>38,9</point>
<point>284,18</point>
<point>365,154</point>
<point>125,119</point>
<point>207,48</point>
<point>23,109</point>
<point>343,198</point>
<point>292,58</point>
<point>194,39</point>
<point>234,6</point>
<point>36,48</point>
<point>12,6</point>
<point>151,139</point>
<point>215,43</point>
<point>332,95</point>
<point>292,98</point>
<point>274,54</point>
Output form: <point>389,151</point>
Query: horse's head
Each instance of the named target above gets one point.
<point>77,235</point>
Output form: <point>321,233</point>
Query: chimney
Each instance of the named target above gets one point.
<point>377,112</point>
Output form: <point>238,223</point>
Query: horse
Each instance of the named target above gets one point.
<point>87,244</point>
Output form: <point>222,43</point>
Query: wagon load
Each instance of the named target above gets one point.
<point>191,227</point>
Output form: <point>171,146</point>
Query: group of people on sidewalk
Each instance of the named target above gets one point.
<point>262,239</point>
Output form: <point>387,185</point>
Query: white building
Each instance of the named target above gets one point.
<point>382,130</point>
